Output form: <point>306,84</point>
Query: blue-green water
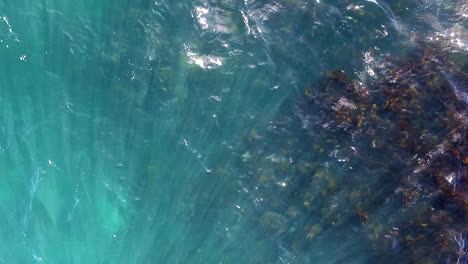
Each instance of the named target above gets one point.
<point>144,131</point>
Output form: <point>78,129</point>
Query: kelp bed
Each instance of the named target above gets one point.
<point>377,168</point>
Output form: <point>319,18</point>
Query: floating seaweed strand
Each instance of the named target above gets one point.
<point>462,245</point>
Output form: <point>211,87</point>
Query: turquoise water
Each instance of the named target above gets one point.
<point>166,131</point>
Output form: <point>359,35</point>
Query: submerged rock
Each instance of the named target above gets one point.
<point>273,222</point>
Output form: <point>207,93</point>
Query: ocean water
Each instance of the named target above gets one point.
<point>183,132</point>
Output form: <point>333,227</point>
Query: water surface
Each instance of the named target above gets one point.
<point>158,131</point>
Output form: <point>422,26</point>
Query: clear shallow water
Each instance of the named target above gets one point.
<point>144,131</point>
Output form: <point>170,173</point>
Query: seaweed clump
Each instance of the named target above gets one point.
<point>386,161</point>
